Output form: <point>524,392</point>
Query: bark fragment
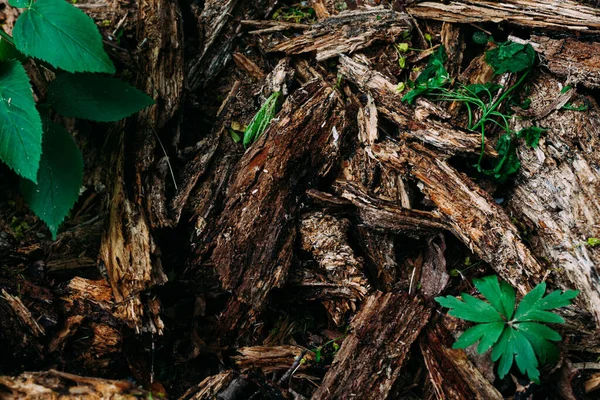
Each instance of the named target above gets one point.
<point>257,229</point>
<point>453,376</point>
<point>371,357</point>
<point>552,14</point>
<point>347,32</point>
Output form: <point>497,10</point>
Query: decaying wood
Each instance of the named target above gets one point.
<point>488,232</point>
<point>347,32</point>
<point>453,376</point>
<point>271,358</point>
<point>210,387</point>
<point>371,357</point>
<point>56,385</point>
<point>128,251</point>
<point>558,189</point>
<point>433,274</point>
<point>339,272</point>
<point>552,14</point>
<point>23,314</point>
<point>570,58</point>
<point>257,227</point>
<point>438,134</point>
<point>380,253</point>
<point>386,216</point>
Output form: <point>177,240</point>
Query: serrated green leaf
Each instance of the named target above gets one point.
<point>261,120</point>
<point>20,124</point>
<point>470,309</point>
<point>20,3</point>
<point>503,351</point>
<point>534,306</point>
<point>501,296</point>
<point>8,51</point>
<point>62,35</point>
<point>97,98</point>
<point>540,336</point>
<point>486,334</point>
<point>59,178</point>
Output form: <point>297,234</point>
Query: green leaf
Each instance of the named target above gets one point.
<point>8,51</point>
<point>59,178</point>
<point>531,135</point>
<point>525,357</point>
<point>510,57</point>
<point>487,334</point>
<point>534,306</point>
<point>433,77</point>
<point>98,98</point>
<point>20,3</point>
<point>20,124</point>
<point>470,309</point>
<point>540,336</point>
<point>508,162</point>
<point>62,35</point>
<point>501,296</point>
<point>261,120</point>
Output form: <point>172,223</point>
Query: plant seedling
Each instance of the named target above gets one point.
<point>261,120</point>
<point>513,334</point>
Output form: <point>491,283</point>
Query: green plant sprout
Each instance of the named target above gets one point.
<point>262,119</point>
<point>65,41</point>
<point>481,98</point>
<point>513,334</point>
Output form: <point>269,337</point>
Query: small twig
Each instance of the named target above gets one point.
<point>295,365</point>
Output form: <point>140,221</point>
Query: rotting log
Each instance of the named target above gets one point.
<point>557,191</point>
<point>271,358</point>
<point>372,355</point>
<point>552,14</point>
<point>253,250</point>
<point>488,232</point>
<point>347,32</point>
<point>451,373</point>
<point>56,385</point>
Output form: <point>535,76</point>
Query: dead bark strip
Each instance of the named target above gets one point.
<point>348,32</point>
<point>475,218</point>
<point>552,14</point>
<point>271,358</point>
<point>453,376</point>
<point>210,387</point>
<point>371,357</point>
<point>257,227</point>
<point>57,385</point>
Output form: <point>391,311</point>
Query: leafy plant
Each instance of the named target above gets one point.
<point>58,36</point>
<point>262,119</point>
<point>514,335</point>
<point>485,99</point>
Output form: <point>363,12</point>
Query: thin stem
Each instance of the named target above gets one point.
<point>7,37</point>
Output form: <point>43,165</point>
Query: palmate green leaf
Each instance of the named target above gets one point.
<point>261,120</point>
<point>534,305</point>
<point>96,98</point>
<point>486,334</point>
<point>62,35</point>
<point>540,336</point>
<point>511,347</point>
<point>20,124</point>
<point>532,135</point>
<point>470,309</point>
<point>500,295</point>
<point>59,178</point>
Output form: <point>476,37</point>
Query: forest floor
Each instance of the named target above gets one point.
<point>304,262</point>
